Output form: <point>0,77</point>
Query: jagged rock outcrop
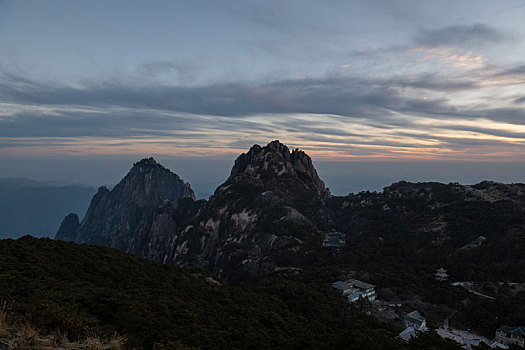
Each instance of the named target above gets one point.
<point>273,212</point>
<point>131,216</point>
<point>268,215</point>
<point>266,165</point>
<point>68,228</point>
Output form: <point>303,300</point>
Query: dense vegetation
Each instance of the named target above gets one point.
<point>398,243</point>
<point>395,240</point>
<point>422,232</point>
<point>82,289</point>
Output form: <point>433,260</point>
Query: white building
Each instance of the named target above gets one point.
<point>511,335</point>
<point>355,289</point>
<point>441,274</point>
<point>415,320</point>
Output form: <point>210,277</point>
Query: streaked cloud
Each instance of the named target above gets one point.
<point>513,71</point>
<point>477,34</point>
<point>519,100</point>
<point>409,84</point>
<point>454,57</point>
<point>343,116</point>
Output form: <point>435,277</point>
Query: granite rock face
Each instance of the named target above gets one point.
<point>267,165</point>
<point>128,216</point>
<point>269,215</point>
<point>68,228</point>
<point>273,213</point>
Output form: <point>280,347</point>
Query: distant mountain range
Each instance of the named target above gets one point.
<point>274,212</point>
<point>37,208</point>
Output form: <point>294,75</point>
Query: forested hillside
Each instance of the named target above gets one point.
<point>82,289</point>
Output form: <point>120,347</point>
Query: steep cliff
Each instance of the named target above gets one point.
<point>68,228</point>
<point>128,217</point>
<point>270,214</point>
<point>273,212</point>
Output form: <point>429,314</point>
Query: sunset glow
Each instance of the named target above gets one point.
<point>444,82</point>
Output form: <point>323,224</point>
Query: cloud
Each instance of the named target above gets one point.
<point>375,99</point>
<point>182,71</point>
<point>451,56</point>
<point>351,96</point>
<point>513,71</point>
<point>344,115</point>
<point>462,35</point>
<point>70,122</point>
<point>519,100</point>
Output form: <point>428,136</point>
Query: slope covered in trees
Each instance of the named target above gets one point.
<point>82,289</point>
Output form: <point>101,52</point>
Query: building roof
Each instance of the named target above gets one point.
<point>475,243</point>
<point>516,330</point>
<point>362,285</point>
<point>498,345</point>
<point>407,334</point>
<point>415,314</point>
<point>355,295</point>
<point>443,333</point>
<point>333,240</point>
<point>479,239</point>
<point>341,285</point>
<point>415,317</point>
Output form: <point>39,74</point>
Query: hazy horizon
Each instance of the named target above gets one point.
<point>206,174</point>
<point>368,89</point>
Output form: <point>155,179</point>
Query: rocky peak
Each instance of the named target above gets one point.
<point>68,227</point>
<point>270,213</point>
<point>121,218</point>
<point>147,165</point>
<point>147,162</point>
<point>147,184</point>
<point>274,162</point>
<point>149,181</point>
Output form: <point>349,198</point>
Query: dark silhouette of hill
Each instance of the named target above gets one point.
<point>81,289</point>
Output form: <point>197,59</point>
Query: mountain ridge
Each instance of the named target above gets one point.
<point>121,218</point>
<point>271,214</point>
<point>261,219</point>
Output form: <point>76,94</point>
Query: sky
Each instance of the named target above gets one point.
<point>373,91</point>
